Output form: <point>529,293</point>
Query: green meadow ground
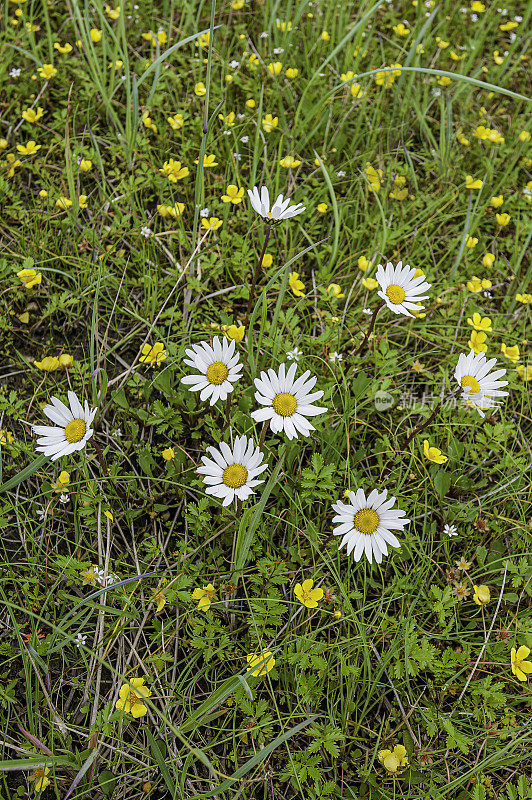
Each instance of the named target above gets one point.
<point>396,654</point>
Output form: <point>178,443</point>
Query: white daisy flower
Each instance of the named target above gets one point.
<point>479,384</point>
<point>335,356</point>
<point>145,231</point>
<point>450,530</point>
<point>281,209</point>
<point>287,401</point>
<point>231,474</point>
<point>400,290</point>
<point>73,431</point>
<point>219,368</point>
<point>366,524</point>
<point>80,639</point>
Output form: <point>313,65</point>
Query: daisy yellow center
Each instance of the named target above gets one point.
<point>75,430</point>
<point>235,476</point>
<point>395,294</point>
<point>367,521</point>
<point>284,404</point>
<point>217,373</point>
<point>469,382</point>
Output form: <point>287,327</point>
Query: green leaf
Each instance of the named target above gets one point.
<point>23,474</point>
<point>442,482</point>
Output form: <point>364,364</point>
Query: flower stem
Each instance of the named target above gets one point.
<point>429,419</point>
<point>369,330</point>
<point>256,273</point>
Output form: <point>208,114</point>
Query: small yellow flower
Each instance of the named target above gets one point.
<point>325,36</point>
<point>32,115</point>
<point>502,219</point>
<point>29,277</point>
<point>29,148</point>
<point>475,284</point>
<point>48,364</point>
<point>112,13</point>
<point>173,170</point>
<point>256,659</point>
<point>63,203</point>
<point>497,201</point>
<point>393,760</point>
<point>363,263</point>
<point>131,695</point>
<point>89,576</point>
<point>498,59</point>
<point>477,7</point>
<point>369,284</point>
<point>153,355</point>
<point>292,73</point>
<point>250,103</point>
<point>334,290</point>
<point>233,194</point>
<point>524,298</point>
<point>477,342</point>
<point>205,595</point>
<point>471,183</point>
<point>525,373</point>
<point>47,71</point>
<point>443,80</point>
<point>488,259</point>
<point>235,332</point>
<point>462,564</point>
<point>168,454</point>
<point>289,162</point>
<point>296,285</point>
<point>508,26</point>
<point>275,68</point>
<point>40,779</point>
<point>269,123</point>
<point>433,454</point>
<point>479,323</point>
<point>109,515</point>
<point>387,76</point>
<point>322,207</point>
<point>82,201</point>
<point>472,241</point>
<point>374,177</point>
<point>229,119</point>
<point>85,165</point>
<point>175,122</point>
<point>481,595</point>
<point>267,260</point>
<point>211,224</point>
<point>401,30</point>
<point>62,481</point>
<point>307,595</point>
<point>520,667</point>
<point>524,136</point>
<point>64,49</point>
<point>199,89</point>
<point>147,122</point>
<point>208,161</point>
<point>441,43</point>
<point>96,35</point>
<point>511,352</point>
<point>6,437</point>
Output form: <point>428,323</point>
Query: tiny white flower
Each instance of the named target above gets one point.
<point>341,173</point>
<point>73,431</point>
<point>335,356</point>
<point>145,231</point>
<point>518,18</point>
<point>15,72</point>
<point>366,524</point>
<point>204,212</point>
<point>400,290</point>
<point>64,498</point>
<point>231,473</point>
<point>41,513</point>
<point>240,116</point>
<point>234,64</point>
<point>513,36</point>
<point>237,156</point>
<point>264,35</point>
<point>218,366</point>
<point>278,50</point>
<point>244,139</point>
<point>474,17</point>
<point>480,385</point>
<point>367,311</point>
<point>281,209</point>
<point>295,354</point>
<point>450,530</point>
<point>80,639</point>
<point>287,402</point>
<point>227,133</point>
<point>436,92</point>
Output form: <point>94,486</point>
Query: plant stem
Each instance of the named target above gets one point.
<point>256,273</point>
<point>369,330</point>
<point>429,419</point>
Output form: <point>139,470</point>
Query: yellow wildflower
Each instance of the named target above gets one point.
<point>520,667</point>
<point>511,352</point>
<point>131,695</point>
<point>205,596</point>
<point>481,595</point>
<point>433,454</point>
<point>153,355</point>
<point>269,123</point>
<point>477,342</point>
<point>307,595</point>
<point>233,194</point>
<point>29,277</point>
<point>260,663</point>
<point>296,285</point>
<point>393,760</point>
<point>480,323</point>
